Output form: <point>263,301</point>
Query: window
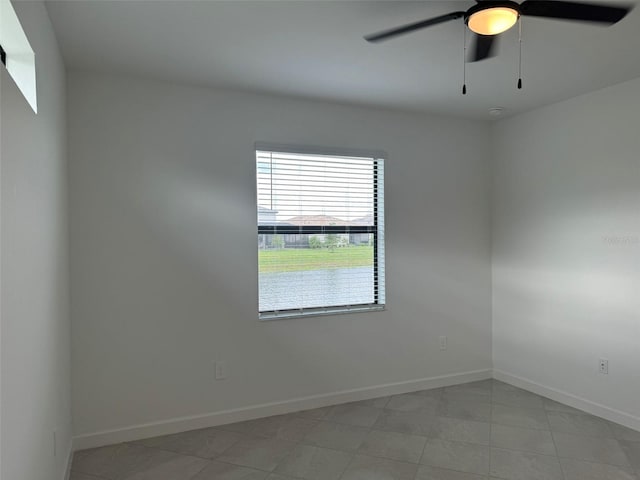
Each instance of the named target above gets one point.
<point>320,231</point>
<point>16,53</point>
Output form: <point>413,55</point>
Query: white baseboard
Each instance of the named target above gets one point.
<point>611,414</point>
<point>182,424</point>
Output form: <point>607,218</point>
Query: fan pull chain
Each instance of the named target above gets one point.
<point>464,60</point>
<point>520,54</point>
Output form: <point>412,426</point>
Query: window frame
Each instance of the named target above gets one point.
<point>377,230</point>
<point>17,55</point>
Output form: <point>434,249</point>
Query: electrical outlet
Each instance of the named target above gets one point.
<point>221,370</point>
<point>443,342</point>
<point>603,366</point>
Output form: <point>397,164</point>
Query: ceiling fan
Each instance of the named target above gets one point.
<point>489,18</point>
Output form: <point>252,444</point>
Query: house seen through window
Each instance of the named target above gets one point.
<point>320,233</point>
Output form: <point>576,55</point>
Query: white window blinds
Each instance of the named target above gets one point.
<point>320,233</point>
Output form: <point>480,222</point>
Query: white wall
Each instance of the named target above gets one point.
<point>566,249</point>
<point>35,366</point>
<point>164,254</point>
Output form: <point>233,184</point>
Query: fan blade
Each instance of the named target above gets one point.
<point>574,11</point>
<point>378,37</point>
<point>483,47</point>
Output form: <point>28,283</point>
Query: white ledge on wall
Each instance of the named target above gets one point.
<point>21,61</point>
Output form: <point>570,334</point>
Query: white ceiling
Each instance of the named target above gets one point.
<point>315,49</point>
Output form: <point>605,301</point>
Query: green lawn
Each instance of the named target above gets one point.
<point>294,259</point>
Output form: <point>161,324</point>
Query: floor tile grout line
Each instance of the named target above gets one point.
<point>430,437</point>
<point>555,446</point>
<point>371,429</point>
<point>91,475</point>
<point>137,442</point>
<point>493,384</point>
<point>388,459</point>
<point>552,439</point>
<point>589,437</point>
<point>519,450</point>
<point>561,457</point>
<point>430,429</point>
<point>201,470</point>
<point>299,443</point>
<point>353,456</point>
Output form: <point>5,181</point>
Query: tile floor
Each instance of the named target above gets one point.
<point>476,431</point>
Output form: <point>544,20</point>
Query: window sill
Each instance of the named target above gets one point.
<point>316,312</point>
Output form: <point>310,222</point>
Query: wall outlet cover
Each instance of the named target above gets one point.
<point>603,366</point>
<point>221,370</point>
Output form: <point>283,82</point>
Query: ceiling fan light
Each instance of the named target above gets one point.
<point>492,21</point>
